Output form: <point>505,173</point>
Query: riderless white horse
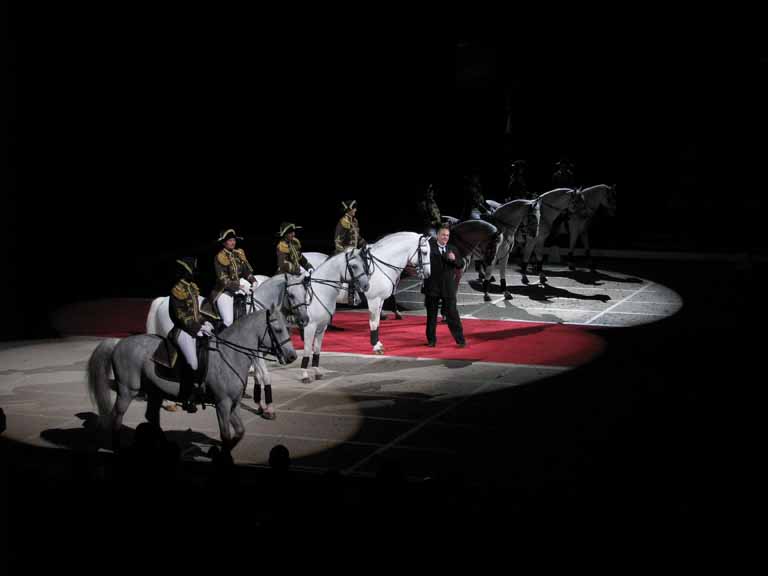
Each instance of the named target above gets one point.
<point>286,291</point>
<point>231,353</point>
<point>329,276</point>
<point>573,203</point>
<point>388,257</point>
<point>581,218</point>
<point>551,204</point>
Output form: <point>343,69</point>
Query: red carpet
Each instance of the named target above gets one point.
<point>489,340</point>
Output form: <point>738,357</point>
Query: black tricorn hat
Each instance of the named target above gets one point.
<point>187,265</point>
<point>227,234</point>
<point>286,227</point>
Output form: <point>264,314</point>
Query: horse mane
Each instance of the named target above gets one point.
<point>388,236</point>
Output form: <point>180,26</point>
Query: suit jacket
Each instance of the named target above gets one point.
<point>442,280</point>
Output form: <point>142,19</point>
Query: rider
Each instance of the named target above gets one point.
<point>478,208</point>
<point>289,257</point>
<point>347,229</point>
<point>230,266</point>
<point>479,211</point>
<point>189,324</point>
<point>430,212</point>
<point>563,177</point>
<point>517,187</point>
<point>348,235</point>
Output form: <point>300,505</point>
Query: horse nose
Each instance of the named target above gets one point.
<point>290,357</point>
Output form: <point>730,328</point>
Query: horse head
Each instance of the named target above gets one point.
<point>296,298</point>
<point>420,258</point>
<point>358,268</point>
<point>279,337</point>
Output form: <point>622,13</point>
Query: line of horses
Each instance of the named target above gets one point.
<point>307,301</point>
<point>527,224</point>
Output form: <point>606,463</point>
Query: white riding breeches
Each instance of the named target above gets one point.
<point>226,305</point>
<point>188,348</point>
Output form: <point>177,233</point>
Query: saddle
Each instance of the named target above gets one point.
<point>170,364</point>
<point>578,205</point>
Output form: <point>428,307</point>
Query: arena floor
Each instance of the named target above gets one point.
<point>422,409</point>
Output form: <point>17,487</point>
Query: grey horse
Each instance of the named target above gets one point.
<point>287,291</point>
<point>231,354</point>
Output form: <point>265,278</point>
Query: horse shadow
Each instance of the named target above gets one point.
<point>86,438</point>
<point>515,332</point>
<point>90,438</point>
<point>518,312</point>
<point>539,292</point>
<point>591,278</point>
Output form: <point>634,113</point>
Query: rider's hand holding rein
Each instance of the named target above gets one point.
<point>206,329</point>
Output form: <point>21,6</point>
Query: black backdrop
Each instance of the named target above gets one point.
<point>140,138</point>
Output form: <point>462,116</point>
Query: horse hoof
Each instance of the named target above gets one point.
<point>305,380</point>
<point>507,296</point>
<point>318,376</point>
<point>486,298</point>
<point>269,415</point>
<point>379,350</point>
<point>542,279</point>
<point>525,280</point>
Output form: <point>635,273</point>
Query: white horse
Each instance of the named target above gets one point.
<point>326,282</point>
<point>579,221</point>
<point>550,204</point>
<point>579,207</point>
<point>388,258</point>
<point>282,291</point>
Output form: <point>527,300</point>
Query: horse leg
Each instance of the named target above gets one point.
<point>503,274</point>
<point>309,339</point>
<point>316,354</point>
<point>223,412</point>
<point>374,315</point>
<point>573,237</point>
<point>527,250</point>
<point>259,377</point>
<point>540,264</point>
<point>587,251</point>
<point>486,281</point>
<point>125,395</point>
<point>154,402</point>
<point>237,424</point>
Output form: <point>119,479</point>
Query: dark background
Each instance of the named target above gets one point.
<point>141,136</point>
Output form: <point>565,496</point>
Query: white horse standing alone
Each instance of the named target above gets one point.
<point>326,282</point>
<point>388,258</point>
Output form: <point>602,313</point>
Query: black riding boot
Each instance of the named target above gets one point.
<point>188,391</point>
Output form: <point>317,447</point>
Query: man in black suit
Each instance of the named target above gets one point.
<point>445,261</point>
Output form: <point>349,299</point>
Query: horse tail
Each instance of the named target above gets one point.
<point>99,368</point>
<point>152,327</point>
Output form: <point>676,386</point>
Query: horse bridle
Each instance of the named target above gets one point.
<point>277,346</point>
<point>423,240</point>
<point>306,282</point>
<point>363,258</point>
